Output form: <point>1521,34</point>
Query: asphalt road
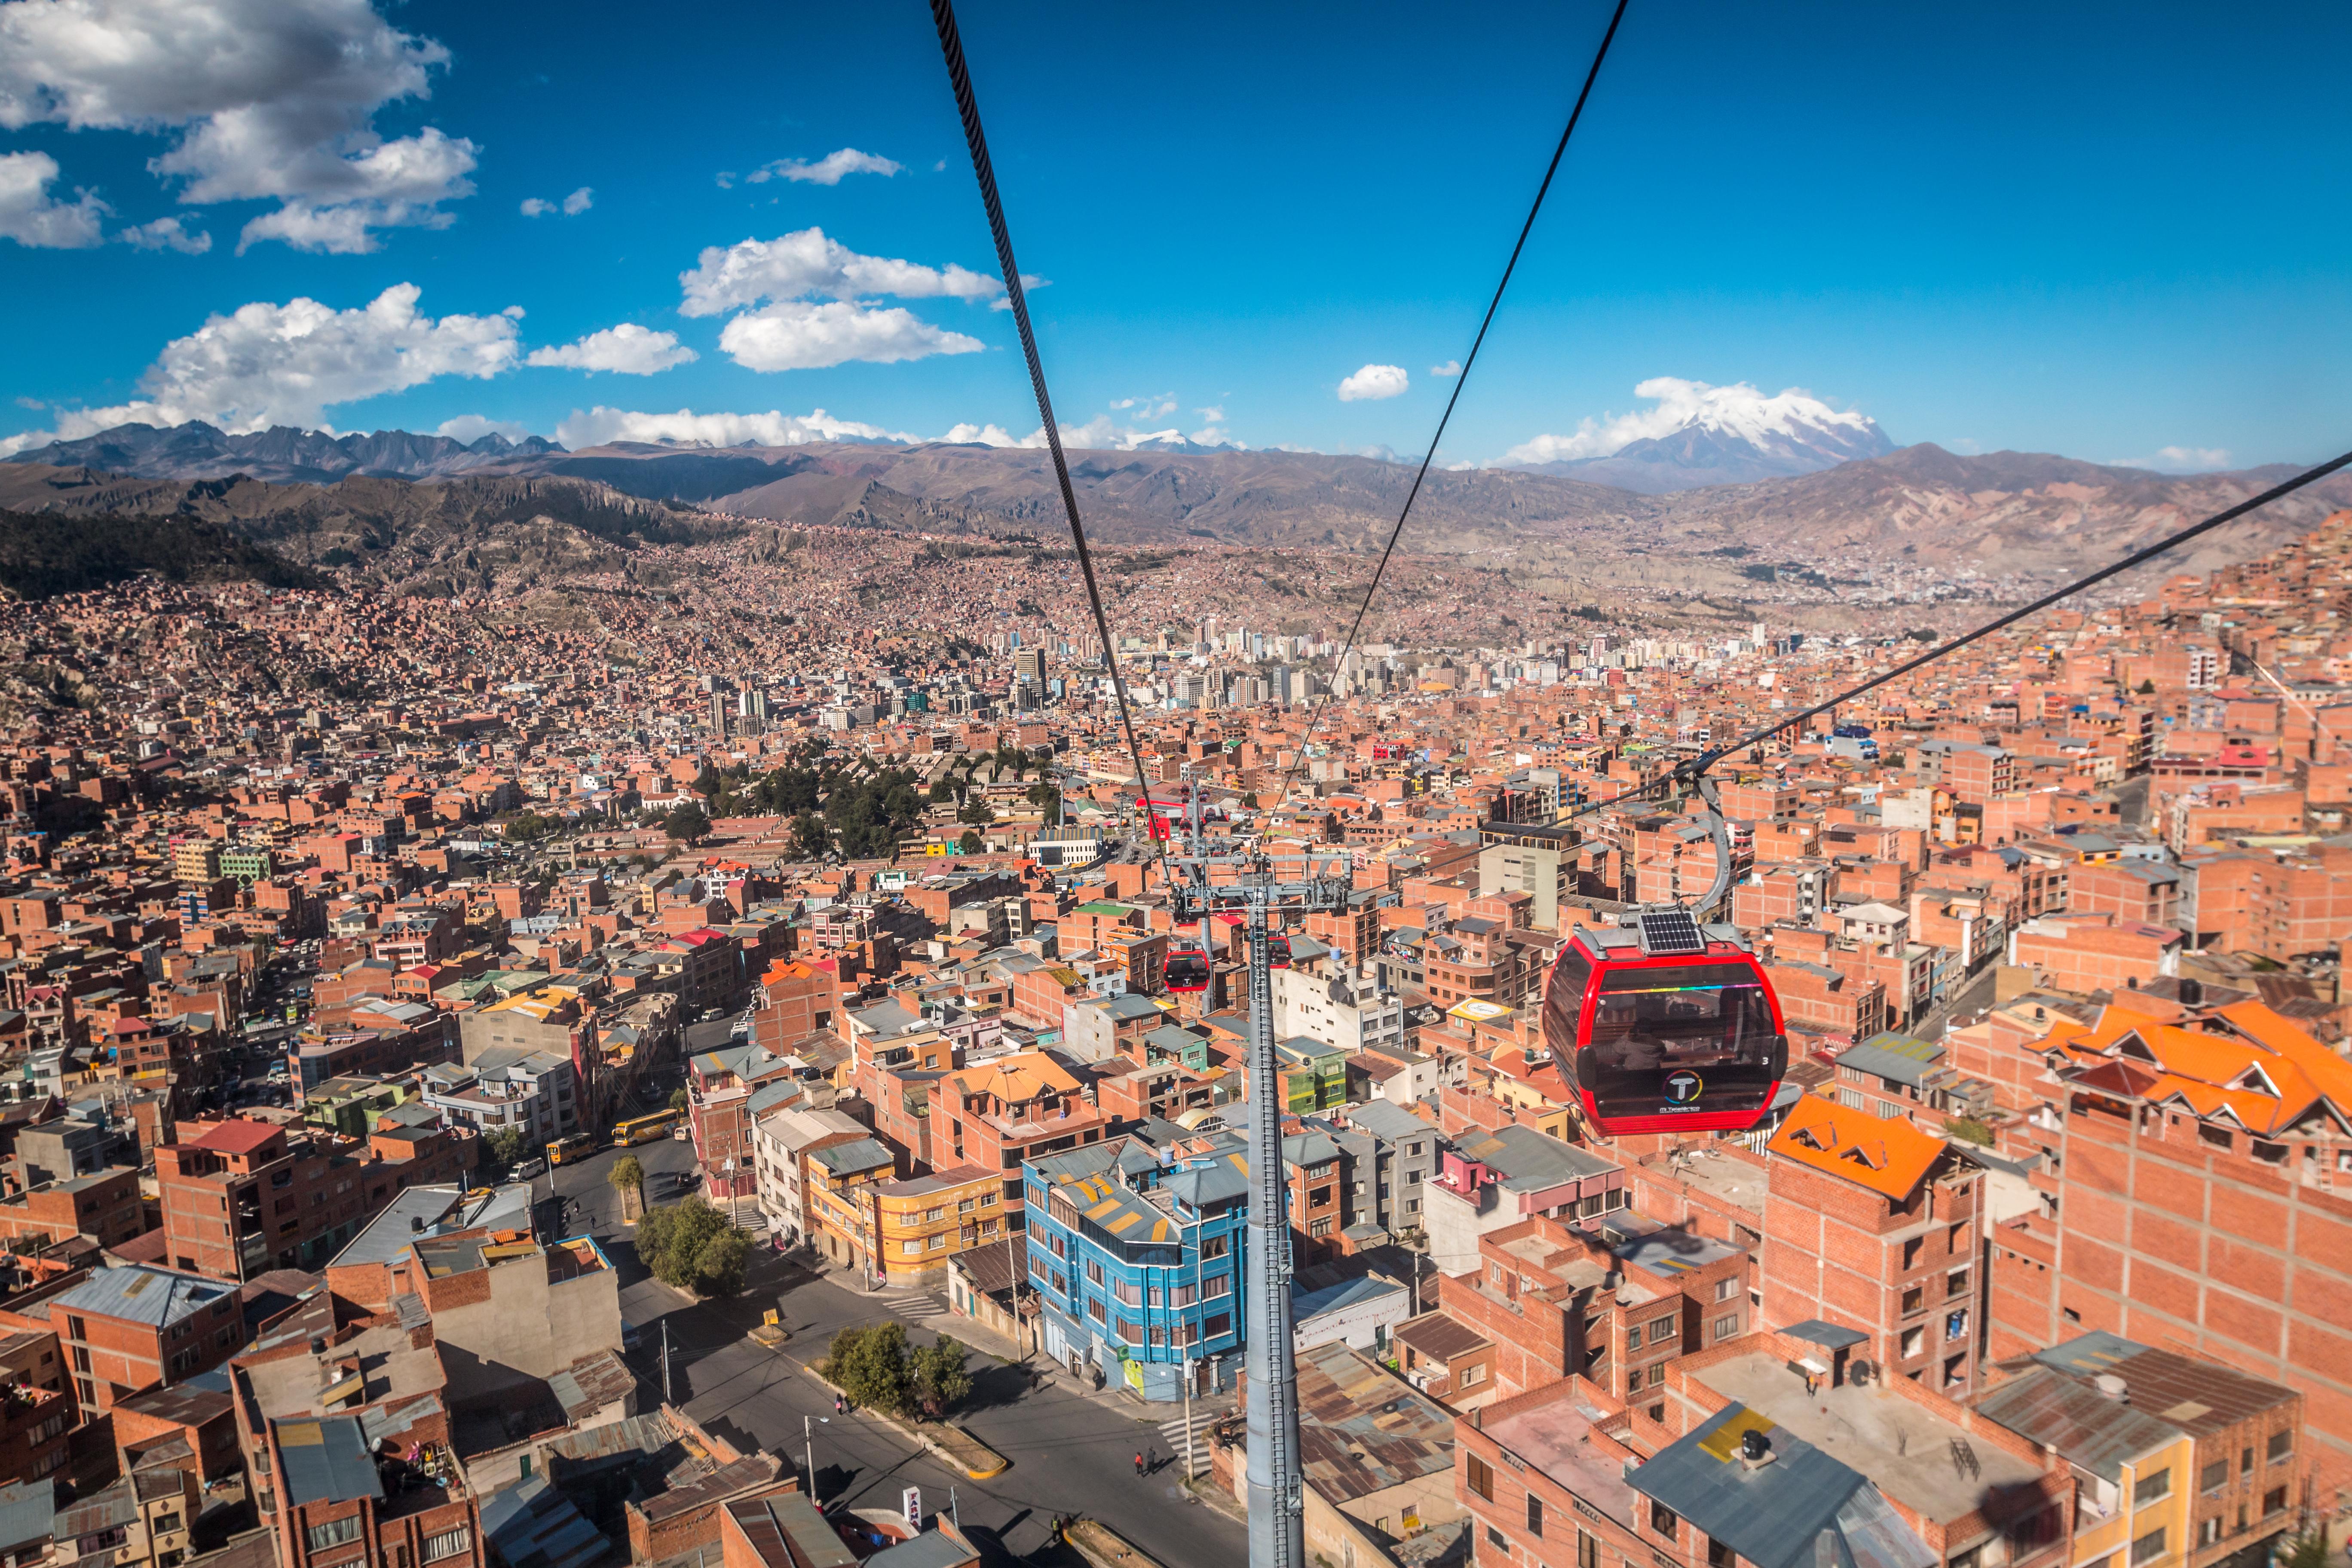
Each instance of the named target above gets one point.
<point>1071,1453</point>
<point>1975,994</point>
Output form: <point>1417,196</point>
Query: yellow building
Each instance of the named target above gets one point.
<point>843,1180</point>
<point>926,1220</point>
<point>196,861</point>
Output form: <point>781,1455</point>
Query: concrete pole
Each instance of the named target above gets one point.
<point>1276,1522</point>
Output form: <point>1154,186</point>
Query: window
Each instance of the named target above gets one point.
<point>1473,1374</point>
<point>2147,1548</point>
<point>1159,1334</point>
<point>1663,1521</point>
<point>2281,1444</point>
<point>913,1244</point>
<point>1913,1342</point>
<point>2209,1530</point>
<point>1494,1539</point>
<point>1215,1246</point>
<point>1535,1516</point>
<point>1480,1475</point>
<point>1662,1330</point>
<point>1727,1327</point>
<point>1657,1373</point>
<point>1094,1271</point>
<point>1911,1254</point>
<point>2245,1461</point>
<point>1128,1332</point>
<point>2213,1477</point>
<point>1719,1553</point>
<point>1218,1324</point>
<point>1320,1227</point>
<point>448,1544</point>
<point>1956,1284</point>
<point>1724,1288</point>
<point>2273,1502</point>
<point>939,1241</point>
<point>1095,1311</point>
<point>334,1532</point>
<point>1216,1285</point>
<point>2148,1488</point>
<point>1588,1549</point>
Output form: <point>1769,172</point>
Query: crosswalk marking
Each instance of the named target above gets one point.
<point>1203,1417</point>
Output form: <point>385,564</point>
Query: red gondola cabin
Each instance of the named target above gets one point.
<point>1667,1027</point>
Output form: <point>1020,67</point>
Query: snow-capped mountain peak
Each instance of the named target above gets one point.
<point>1695,433</point>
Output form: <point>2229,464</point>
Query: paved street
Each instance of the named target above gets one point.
<point>1071,1453</point>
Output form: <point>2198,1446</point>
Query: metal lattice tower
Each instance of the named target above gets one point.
<point>1277,1487</point>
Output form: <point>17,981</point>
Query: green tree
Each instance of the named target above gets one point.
<point>687,823</point>
<point>2308,1550</point>
<point>811,838</point>
<point>2147,688</point>
<point>679,1099</point>
<point>941,791</point>
<point>869,1365</point>
<point>941,1379</point>
<point>502,1151</point>
<point>971,843</point>
<point>629,1178</point>
<point>1968,1130</point>
<point>686,1245</point>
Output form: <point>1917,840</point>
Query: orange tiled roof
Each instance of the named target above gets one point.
<point>1889,1155</point>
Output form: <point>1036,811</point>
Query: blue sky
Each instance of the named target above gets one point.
<point>2111,232</point>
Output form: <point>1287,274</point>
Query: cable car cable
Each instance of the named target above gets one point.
<point>1707,760</point>
<point>1460,381</point>
<point>985,171</point>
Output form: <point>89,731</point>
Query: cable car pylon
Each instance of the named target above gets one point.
<point>1201,886</point>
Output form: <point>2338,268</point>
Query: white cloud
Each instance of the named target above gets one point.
<point>627,350</point>
<point>1214,414</point>
<point>828,170</point>
<point>2181,460</point>
<point>535,206</point>
<point>600,424</point>
<point>1151,405</point>
<point>471,427</point>
<point>797,334</point>
<point>274,100</point>
<point>30,217</point>
<point>579,200</point>
<point>167,233</point>
<point>807,264</point>
<point>1374,382</point>
<point>284,364</point>
<point>1739,409</point>
<point>1451,367</point>
<point>991,436</point>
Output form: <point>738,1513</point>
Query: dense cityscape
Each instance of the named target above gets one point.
<point>487,1085</point>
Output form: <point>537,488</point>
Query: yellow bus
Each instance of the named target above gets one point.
<point>579,1146</point>
<point>645,1128</point>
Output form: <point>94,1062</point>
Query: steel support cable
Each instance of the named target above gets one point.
<point>985,171</point>
<point>1591,75</point>
<point>2141,557</point>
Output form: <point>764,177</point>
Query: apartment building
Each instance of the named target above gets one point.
<point>2204,1202</point>
<point>724,1102</point>
<point>1495,1178</point>
<point>781,1141</point>
<point>125,1330</point>
<point>924,1221</point>
<point>1875,1227</point>
<point>242,1197</point>
<point>1001,1114</point>
<point>508,1088</point>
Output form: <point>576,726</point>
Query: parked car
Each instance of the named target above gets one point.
<point>529,1170</point>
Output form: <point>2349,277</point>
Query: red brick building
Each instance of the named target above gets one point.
<point>243,1197</point>
<point>1873,1225</point>
<point>125,1330</point>
<point>2202,1204</point>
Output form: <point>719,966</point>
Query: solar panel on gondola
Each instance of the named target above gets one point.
<point>1669,931</point>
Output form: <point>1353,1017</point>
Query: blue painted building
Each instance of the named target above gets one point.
<point>1139,1263</point>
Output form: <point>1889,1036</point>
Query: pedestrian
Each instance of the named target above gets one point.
<point>1151,1458</point>
<point>836,1404</point>
<point>1139,1465</point>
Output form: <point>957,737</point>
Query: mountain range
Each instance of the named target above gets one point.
<point>515,510</point>
<point>1721,436</point>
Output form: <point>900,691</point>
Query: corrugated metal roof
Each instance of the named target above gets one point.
<point>1361,1430</point>
<point>2200,1397</point>
<point>1772,1515</point>
<point>326,1460</point>
<point>2070,1414</point>
<point>138,1294</point>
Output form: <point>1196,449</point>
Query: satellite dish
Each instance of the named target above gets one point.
<point>1858,1371</point>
